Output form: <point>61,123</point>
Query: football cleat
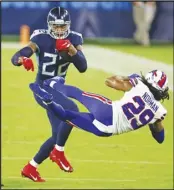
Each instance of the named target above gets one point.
<point>59,158</point>
<point>41,93</point>
<point>31,172</point>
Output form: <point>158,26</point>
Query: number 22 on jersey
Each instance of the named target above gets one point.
<point>62,68</point>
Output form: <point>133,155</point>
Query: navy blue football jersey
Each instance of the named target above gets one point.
<point>50,63</point>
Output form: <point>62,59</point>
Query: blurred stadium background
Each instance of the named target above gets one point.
<point>127,161</point>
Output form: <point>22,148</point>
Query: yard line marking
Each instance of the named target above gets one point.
<point>121,162</point>
<point>82,179</point>
<point>96,161</point>
<point>120,61</point>
<point>127,146</point>
<point>96,145</point>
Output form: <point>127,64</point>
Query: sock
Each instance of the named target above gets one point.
<point>33,163</point>
<point>59,148</point>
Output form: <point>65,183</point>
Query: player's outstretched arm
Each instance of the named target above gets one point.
<point>119,83</point>
<point>22,57</point>
<point>157,130</point>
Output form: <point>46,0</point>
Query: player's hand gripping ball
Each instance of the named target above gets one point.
<point>62,47</point>
<point>62,44</point>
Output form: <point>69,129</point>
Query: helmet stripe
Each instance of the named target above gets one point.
<point>162,81</point>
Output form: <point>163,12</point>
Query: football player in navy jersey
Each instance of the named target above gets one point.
<point>56,48</point>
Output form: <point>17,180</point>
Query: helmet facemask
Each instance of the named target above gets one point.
<point>59,29</point>
<point>158,83</point>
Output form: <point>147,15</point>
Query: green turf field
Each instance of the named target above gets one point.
<point>132,160</point>
<point>162,53</point>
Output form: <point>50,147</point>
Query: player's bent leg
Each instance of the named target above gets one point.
<point>44,96</point>
<point>99,106</point>
<point>64,129</point>
<point>41,94</point>
<point>49,104</point>
<point>48,145</point>
<point>81,120</point>
<point>95,103</point>
<point>65,114</point>
<point>67,90</point>
<point>30,170</point>
<point>85,121</point>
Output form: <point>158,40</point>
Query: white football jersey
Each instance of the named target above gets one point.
<point>136,108</point>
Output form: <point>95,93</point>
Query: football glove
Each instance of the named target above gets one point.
<point>62,45</point>
<point>28,63</point>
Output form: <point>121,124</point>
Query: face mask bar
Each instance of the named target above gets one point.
<point>56,29</point>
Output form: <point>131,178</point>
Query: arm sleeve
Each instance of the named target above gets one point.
<point>24,52</point>
<point>79,59</point>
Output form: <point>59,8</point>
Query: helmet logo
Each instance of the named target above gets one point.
<point>154,73</point>
<point>162,81</point>
<point>53,16</point>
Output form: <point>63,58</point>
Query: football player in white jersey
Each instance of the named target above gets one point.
<point>139,106</point>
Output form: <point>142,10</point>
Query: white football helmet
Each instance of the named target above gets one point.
<point>157,79</point>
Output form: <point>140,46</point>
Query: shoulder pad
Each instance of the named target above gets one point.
<point>37,32</point>
<point>76,33</point>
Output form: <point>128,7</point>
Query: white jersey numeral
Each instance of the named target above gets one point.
<point>53,56</point>
<point>62,69</point>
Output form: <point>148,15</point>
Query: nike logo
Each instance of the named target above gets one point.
<point>64,167</point>
<point>34,178</point>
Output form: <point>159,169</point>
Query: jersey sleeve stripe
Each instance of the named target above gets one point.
<point>79,34</point>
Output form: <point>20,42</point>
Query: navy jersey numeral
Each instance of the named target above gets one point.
<point>144,115</point>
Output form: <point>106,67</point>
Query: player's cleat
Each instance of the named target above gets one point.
<point>56,79</point>
<point>31,172</point>
<point>59,158</point>
<point>41,93</point>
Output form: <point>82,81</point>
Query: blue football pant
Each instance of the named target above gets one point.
<point>57,125</point>
<point>83,121</point>
<point>100,108</point>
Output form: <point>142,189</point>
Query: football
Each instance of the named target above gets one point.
<point>65,56</point>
